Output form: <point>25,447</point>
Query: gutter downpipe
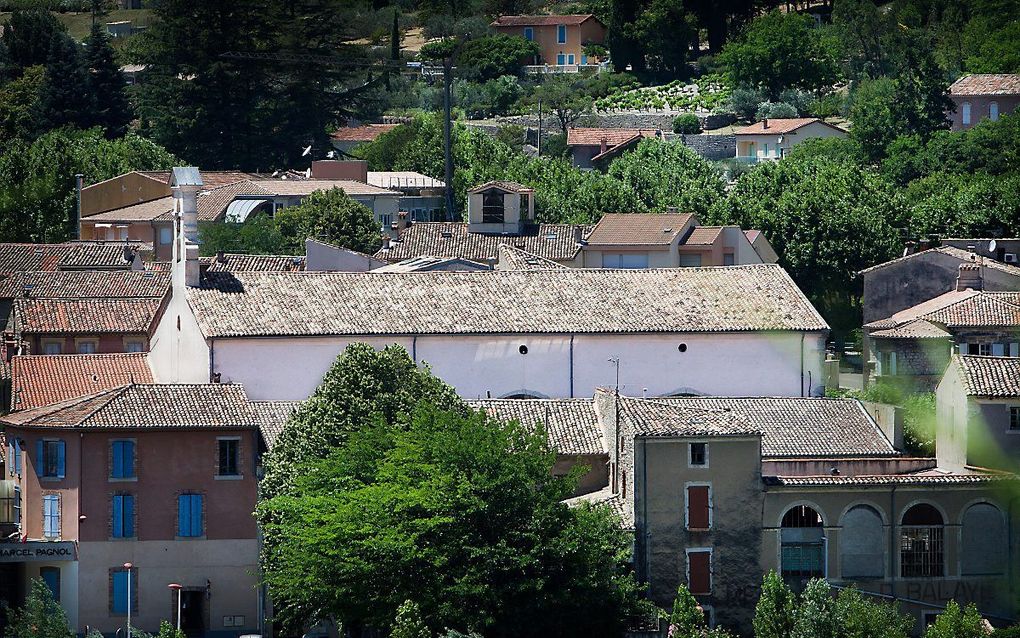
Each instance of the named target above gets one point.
<point>644,508</point>
<point>212,359</point>
<point>802,364</point>
<point>414,349</point>
<point>892,541</point>
<point>571,366</point>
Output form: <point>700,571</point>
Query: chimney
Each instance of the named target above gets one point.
<point>602,146</point>
<point>185,184</point>
<point>969,277</point>
<point>765,123</point>
<point>386,242</point>
<point>578,234</point>
<point>221,257</point>
<point>402,220</point>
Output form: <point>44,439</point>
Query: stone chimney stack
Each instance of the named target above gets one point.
<point>185,184</point>
<point>603,145</point>
<point>969,277</point>
<point>765,123</point>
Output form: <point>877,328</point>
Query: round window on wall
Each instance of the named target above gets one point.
<point>523,349</point>
<point>682,347</point>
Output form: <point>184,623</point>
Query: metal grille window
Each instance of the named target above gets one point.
<point>228,457</point>
<point>922,549</point>
<point>802,544</point>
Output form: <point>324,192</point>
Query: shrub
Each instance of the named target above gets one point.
<point>687,124</point>
<point>744,102</point>
<point>776,110</point>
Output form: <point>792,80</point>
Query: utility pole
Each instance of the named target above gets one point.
<point>451,212</point>
<point>540,127</point>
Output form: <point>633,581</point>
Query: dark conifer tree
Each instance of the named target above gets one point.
<point>66,98</point>
<point>111,108</point>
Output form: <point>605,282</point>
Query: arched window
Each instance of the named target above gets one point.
<point>965,113</point>
<point>862,544</point>
<point>984,541</point>
<point>802,544</point>
<point>922,550</point>
<point>993,111</point>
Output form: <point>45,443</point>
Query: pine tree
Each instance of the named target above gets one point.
<point>112,110</point>
<point>66,100</point>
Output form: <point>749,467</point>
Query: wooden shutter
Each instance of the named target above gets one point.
<point>697,507</point>
<point>699,577</point>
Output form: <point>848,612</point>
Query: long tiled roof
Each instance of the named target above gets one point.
<point>542,20</point>
<point>638,229</point>
<point>987,84</point>
<point>571,424</point>
<point>650,417</point>
<point>300,187</point>
<point>795,427</point>
<point>512,258</point>
<point>780,126</point>
<point>143,211</point>
<point>611,136</point>
<point>213,203</point>
<point>273,416</point>
<point>990,376</point>
<point>366,133</point>
<point>70,255</point>
<point>916,329</point>
<point>761,297</point>
<point>161,406</point>
<point>232,262</point>
<point>86,316</point>
<point>85,284</point>
<point>929,477</point>
<point>982,309</point>
<point>503,185</point>
<point>951,251</point>
<point>39,380</point>
<point>558,242</point>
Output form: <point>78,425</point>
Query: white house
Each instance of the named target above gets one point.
<point>772,138</point>
<point>741,330</point>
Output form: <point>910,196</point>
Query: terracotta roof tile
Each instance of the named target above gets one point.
<point>916,478</point>
<point>611,136</point>
<point>85,316</point>
<point>85,284</point>
<point>982,309</point>
<point>952,251</point>
<point>513,258</point>
<point>780,126</point>
<point>916,329</point>
<point>212,203</point>
<point>543,20</point>
<point>70,255</point>
<point>987,84</point>
<point>301,187</point>
<point>39,380</point>
<point>366,133</point>
<point>160,406</point>
<point>639,229</point>
<point>570,424</point>
<point>247,263</point>
<point>558,242</point>
<point>990,376</point>
<point>725,299</point>
<point>651,417</point>
<point>703,236</point>
<point>144,211</point>
<point>273,415</point>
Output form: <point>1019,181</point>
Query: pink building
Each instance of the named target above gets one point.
<point>983,95</point>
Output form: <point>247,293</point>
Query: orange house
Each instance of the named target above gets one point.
<point>560,38</point>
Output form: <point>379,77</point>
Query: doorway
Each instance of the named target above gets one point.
<point>193,612</point>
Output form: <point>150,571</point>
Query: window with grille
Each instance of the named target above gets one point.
<point>228,452</point>
<point>699,454</point>
<point>492,207</point>
<point>922,548</point>
<point>1014,418</point>
<point>802,544</point>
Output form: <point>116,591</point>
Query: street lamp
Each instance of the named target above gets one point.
<point>127,566</point>
<point>176,587</point>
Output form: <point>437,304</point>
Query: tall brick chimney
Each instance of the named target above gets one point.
<point>969,277</point>
<point>185,184</point>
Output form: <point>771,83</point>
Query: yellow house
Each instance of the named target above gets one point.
<point>560,38</point>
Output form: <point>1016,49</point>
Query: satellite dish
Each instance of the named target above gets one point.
<point>992,245</point>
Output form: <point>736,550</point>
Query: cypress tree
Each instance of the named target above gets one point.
<point>111,108</point>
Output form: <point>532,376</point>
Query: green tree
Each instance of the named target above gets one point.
<point>957,623</point>
<point>408,623</point>
<point>65,98</point>
<point>854,616</point>
<point>27,37</point>
<point>826,219</point>
<point>876,119</point>
<point>669,175</point>
<point>489,57</point>
<point>20,107</point>
<point>111,110</point>
<point>40,617</point>
<point>331,216</point>
<point>463,513</point>
<point>779,51</point>
<point>686,124</point>
<point>666,29</point>
<point>564,96</point>
<point>775,613</point>
<point>166,630</point>
<point>965,205</point>
<point>814,617</point>
<point>687,618</point>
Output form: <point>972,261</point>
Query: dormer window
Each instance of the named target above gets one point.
<point>492,207</point>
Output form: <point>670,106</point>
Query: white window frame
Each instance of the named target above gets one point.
<point>711,560</point>
<point>984,349</point>
<point>690,455</point>
<point>570,58</point>
<point>84,340</point>
<point>130,340</point>
<point>965,113</point>
<point>687,505</point>
<point>561,29</point>
<point>46,516</point>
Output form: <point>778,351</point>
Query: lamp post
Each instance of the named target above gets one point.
<point>127,566</point>
<point>176,587</point>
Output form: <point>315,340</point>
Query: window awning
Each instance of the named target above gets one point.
<point>239,209</point>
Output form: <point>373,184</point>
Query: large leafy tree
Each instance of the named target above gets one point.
<point>849,614</point>
<point>27,36</point>
<point>489,57</point>
<point>827,220</point>
<point>775,612</point>
<point>332,216</point>
<point>462,513</point>
<point>780,51</point>
<point>955,622</point>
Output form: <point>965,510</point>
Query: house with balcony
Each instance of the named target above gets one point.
<point>982,96</point>
<point>561,39</point>
<point>772,138</point>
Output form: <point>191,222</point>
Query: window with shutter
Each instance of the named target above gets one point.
<point>699,571</point>
<point>123,462</point>
<point>189,515</point>
<point>51,516</point>
<point>123,516</point>
<point>699,515</point>
<point>49,458</point>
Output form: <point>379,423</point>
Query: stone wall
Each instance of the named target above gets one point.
<point>712,147</point>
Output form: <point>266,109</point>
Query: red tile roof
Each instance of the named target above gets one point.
<point>79,284</point>
<point>86,316</point>
<point>612,136</point>
<point>366,133</point>
<point>632,229</point>
<point>39,380</point>
<point>69,255</point>
<point>987,84</point>
<point>703,236</point>
<point>510,187</point>
<point>779,126</point>
<point>537,21</point>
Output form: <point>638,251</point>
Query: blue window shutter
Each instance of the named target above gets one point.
<point>39,469</point>
<point>60,459</point>
<point>129,459</point>
<point>17,456</point>
<point>118,517</point>
<point>196,514</point>
<point>183,515</point>
<point>118,459</point>
<point>120,592</point>
<point>129,516</point>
